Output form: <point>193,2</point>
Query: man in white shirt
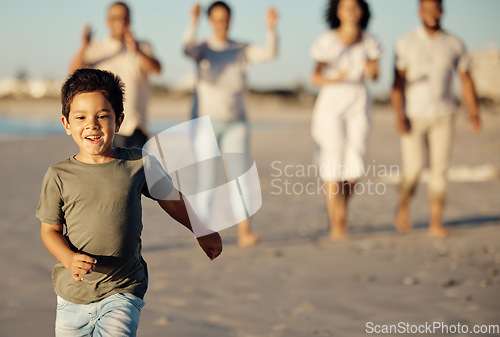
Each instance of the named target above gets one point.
<point>422,98</point>
<point>132,60</point>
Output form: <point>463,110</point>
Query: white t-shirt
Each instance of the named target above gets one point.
<point>221,71</point>
<point>429,63</point>
<point>329,49</point>
<point>112,55</point>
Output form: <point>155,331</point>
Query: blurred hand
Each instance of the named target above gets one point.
<point>340,77</point>
<point>403,125</point>
<point>129,40</point>
<point>86,36</point>
<point>271,18</point>
<point>476,124</point>
<point>371,69</point>
<point>195,12</point>
<point>211,245</point>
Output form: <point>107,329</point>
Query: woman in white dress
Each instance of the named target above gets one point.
<point>345,56</point>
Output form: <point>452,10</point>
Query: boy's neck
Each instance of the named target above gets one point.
<point>97,159</point>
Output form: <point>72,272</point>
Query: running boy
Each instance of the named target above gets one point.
<point>101,277</point>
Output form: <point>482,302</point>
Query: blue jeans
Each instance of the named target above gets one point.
<point>115,315</point>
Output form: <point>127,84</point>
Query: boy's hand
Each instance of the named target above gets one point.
<point>211,245</point>
<point>80,264</point>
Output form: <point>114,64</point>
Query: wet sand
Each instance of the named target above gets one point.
<point>296,282</point>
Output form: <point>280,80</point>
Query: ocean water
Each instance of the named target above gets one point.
<point>19,127</point>
<point>31,127</point>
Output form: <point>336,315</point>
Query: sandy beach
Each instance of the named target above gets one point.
<point>295,283</point>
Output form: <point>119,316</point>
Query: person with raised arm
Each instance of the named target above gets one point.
<point>221,86</point>
<point>130,59</point>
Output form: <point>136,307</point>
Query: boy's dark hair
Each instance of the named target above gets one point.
<point>333,20</point>
<point>127,8</point>
<point>221,4</point>
<point>91,80</point>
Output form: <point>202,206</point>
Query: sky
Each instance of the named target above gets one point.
<point>40,37</point>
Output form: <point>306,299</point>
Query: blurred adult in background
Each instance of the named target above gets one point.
<point>345,56</point>
<point>130,59</point>
<point>423,101</point>
<point>221,85</point>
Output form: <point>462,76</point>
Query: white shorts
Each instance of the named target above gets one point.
<point>340,126</point>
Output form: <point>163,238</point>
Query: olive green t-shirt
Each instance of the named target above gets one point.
<point>100,207</point>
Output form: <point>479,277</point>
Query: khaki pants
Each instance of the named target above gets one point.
<point>432,135</point>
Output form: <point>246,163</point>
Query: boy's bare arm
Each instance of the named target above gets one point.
<point>57,245</point>
<point>397,101</point>
<point>177,209</point>
<point>470,98</point>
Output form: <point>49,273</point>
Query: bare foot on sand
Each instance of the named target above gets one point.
<point>402,221</point>
<point>248,240</point>
<point>438,232</point>
<point>338,231</point>
<point>336,237</point>
<point>436,229</point>
<point>245,236</point>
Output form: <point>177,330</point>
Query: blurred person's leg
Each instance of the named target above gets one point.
<point>356,128</point>
<point>333,170</point>
<point>440,140</point>
<point>236,139</point>
<point>337,195</point>
<point>413,148</point>
<point>207,170</point>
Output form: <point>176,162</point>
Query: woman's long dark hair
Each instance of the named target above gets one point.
<point>333,20</point>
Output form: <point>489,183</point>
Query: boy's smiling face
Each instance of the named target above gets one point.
<point>92,124</point>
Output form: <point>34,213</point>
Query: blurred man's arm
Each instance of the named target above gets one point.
<point>470,99</point>
<point>398,101</point>
<point>78,60</point>
<point>148,62</point>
